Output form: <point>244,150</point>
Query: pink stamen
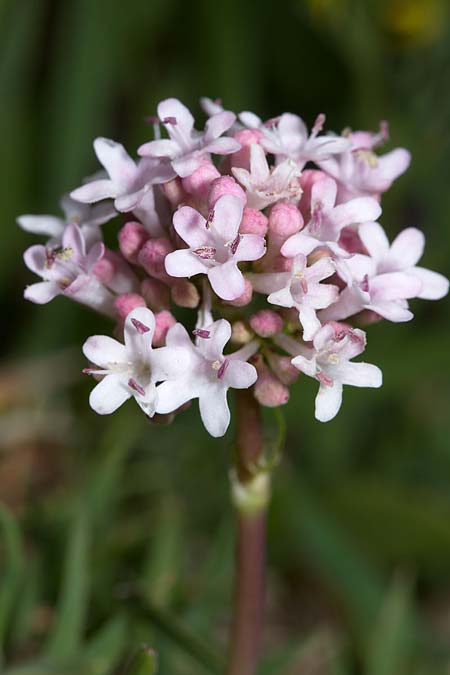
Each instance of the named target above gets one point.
<point>304,285</point>
<point>235,244</point>
<point>200,332</point>
<point>209,219</point>
<point>365,284</point>
<point>222,369</point>
<point>140,327</point>
<point>170,120</point>
<point>205,252</point>
<point>324,379</point>
<point>87,371</point>
<point>136,387</point>
<point>152,119</point>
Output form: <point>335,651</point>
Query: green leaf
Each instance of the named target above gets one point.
<point>145,662</point>
<point>391,640</point>
<point>12,570</point>
<point>65,639</point>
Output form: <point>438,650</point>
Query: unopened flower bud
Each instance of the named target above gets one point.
<point>240,333</point>
<point>132,236</point>
<point>152,256</point>
<point>126,302</point>
<point>284,220</point>
<point>283,368</point>
<point>199,182</point>
<point>156,294</point>
<point>174,192</point>
<point>269,391</point>
<point>115,273</point>
<point>246,137</point>
<point>224,185</point>
<point>245,298</point>
<point>185,294</point>
<point>253,222</point>
<point>163,321</point>
<point>266,323</point>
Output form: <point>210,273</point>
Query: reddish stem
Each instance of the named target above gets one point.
<point>250,550</point>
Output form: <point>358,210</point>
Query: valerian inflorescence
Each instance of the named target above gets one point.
<point>269,232</point>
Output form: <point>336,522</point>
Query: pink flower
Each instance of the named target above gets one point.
<point>360,172</point>
<point>329,362</point>
<point>402,256</point>
<point>68,269</point>
<point>132,369</point>
<point>386,294</point>
<point>300,288</point>
<point>185,146</point>
<point>87,217</point>
<point>209,374</point>
<point>215,246</point>
<point>264,185</point>
<point>327,220</point>
<point>287,138</point>
<point>128,182</point>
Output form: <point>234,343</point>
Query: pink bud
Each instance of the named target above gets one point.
<point>284,220</point>
<point>198,183</point>
<point>163,321</point>
<point>132,236</point>
<point>156,294</point>
<point>185,294</point>
<point>245,298</point>
<point>283,368</point>
<point>126,302</point>
<point>115,273</point>
<point>253,222</point>
<point>225,185</point>
<point>174,192</point>
<point>269,391</point>
<point>240,334</point>
<point>246,137</point>
<point>152,256</point>
<point>266,323</point>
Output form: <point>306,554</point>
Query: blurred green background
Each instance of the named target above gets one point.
<point>116,532</point>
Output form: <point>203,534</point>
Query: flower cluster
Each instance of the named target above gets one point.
<point>269,231</point>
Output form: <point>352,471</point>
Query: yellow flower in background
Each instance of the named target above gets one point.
<point>414,22</point>
<point>417,21</point>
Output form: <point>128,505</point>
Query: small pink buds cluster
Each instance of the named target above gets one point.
<point>243,211</point>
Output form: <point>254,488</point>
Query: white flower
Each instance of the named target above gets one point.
<point>266,186</point>
<point>132,369</point>
<point>208,375</point>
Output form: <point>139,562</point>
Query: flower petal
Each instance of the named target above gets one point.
<point>227,280</point>
<point>109,394</point>
<point>375,240</point>
<point>239,375</point>
<point>162,148</point>
<point>227,217</point>
<point>218,124</point>
<point>104,351</point>
<point>214,410</point>
<point>358,210</point>
<point>359,374</point>
<point>95,191</point>
<point>42,292</point>
<point>407,248</point>
<point>323,194</point>
<point>172,107</point>
<point>35,259</point>
<point>47,225</point>
<point>219,334</point>
<point>172,394</point>
<point>185,263</point>
<point>138,333</point>
<point>250,247</point>
<point>169,362</point>
<point>434,285</point>
<point>191,226</point>
<point>116,160</point>
<point>328,402</point>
